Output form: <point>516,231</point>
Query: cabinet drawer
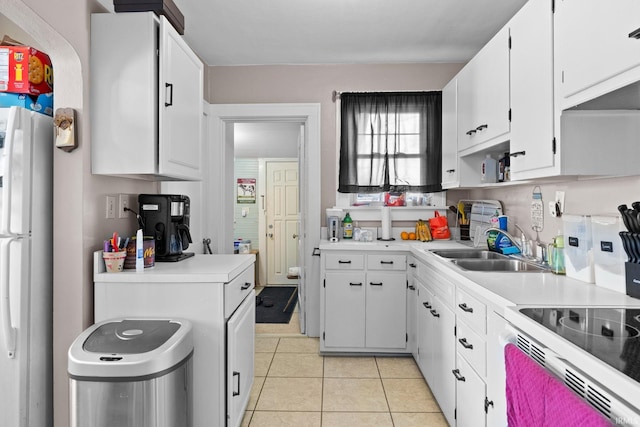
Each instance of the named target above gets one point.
<point>344,262</point>
<point>440,284</point>
<point>472,347</point>
<point>472,311</point>
<point>236,291</point>
<point>386,262</point>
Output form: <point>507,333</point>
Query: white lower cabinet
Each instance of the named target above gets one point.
<point>436,340</point>
<point>496,378</point>
<point>470,393</point>
<point>364,303</point>
<point>344,323</point>
<point>240,350</point>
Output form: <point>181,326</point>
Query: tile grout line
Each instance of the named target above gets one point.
<point>384,390</point>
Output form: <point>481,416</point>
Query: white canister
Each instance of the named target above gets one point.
<point>489,172</point>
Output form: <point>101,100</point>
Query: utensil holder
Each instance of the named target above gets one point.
<point>114,261</point>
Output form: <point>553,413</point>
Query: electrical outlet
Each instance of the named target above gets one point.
<point>123,202</point>
<point>111,207</point>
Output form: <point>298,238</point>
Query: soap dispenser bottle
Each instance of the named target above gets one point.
<point>556,255</point>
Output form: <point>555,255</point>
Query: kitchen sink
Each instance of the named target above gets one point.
<point>469,254</point>
<point>499,265</point>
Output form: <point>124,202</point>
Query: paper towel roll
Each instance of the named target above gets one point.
<point>386,223</point>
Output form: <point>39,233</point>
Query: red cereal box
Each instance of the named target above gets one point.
<point>24,69</point>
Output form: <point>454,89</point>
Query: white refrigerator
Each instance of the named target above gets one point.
<point>26,268</point>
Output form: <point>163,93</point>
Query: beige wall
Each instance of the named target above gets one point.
<point>79,205</point>
<point>315,83</point>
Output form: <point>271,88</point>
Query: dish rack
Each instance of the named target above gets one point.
<point>478,214</point>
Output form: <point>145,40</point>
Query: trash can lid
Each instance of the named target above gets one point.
<point>130,336</point>
<point>130,349</point>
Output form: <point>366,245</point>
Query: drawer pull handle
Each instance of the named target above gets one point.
<point>412,265</point>
<point>434,313</point>
<point>237,393</point>
<point>479,128</point>
<point>471,132</point>
<point>464,308</point>
<point>247,285</point>
<point>635,34</point>
<point>375,283</point>
<point>450,170</point>
<point>386,262</point>
<point>170,87</point>
<point>518,153</point>
<point>465,344</point>
<point>413,288</point>
<point>344,262</point>
<point>426,305</point>
<point>456,373</point>
<point>355,284</point>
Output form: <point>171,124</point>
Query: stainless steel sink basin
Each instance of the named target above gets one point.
<point>498,265</point>
<point>469,254</point>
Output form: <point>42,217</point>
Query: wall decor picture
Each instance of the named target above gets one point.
<point>246,190</point>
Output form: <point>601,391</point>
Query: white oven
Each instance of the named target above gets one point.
<point>593,351</point>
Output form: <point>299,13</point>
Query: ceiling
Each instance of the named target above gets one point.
<point>252,32</point>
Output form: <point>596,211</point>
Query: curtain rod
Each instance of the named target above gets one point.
<point>335,95</point>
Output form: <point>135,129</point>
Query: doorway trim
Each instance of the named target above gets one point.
<point>222,117</point>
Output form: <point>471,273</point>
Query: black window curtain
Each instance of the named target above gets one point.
<point>391,141</point>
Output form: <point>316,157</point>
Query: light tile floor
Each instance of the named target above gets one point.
<point>295,386</point>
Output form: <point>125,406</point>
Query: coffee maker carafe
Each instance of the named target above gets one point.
<point>166,218</point>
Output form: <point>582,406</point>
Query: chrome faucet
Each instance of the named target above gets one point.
<point>509,236</point>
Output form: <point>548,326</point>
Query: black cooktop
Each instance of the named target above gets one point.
<point>610,334</point>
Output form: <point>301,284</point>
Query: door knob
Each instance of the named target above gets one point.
<point>295,236</point>
<point>270,235</point>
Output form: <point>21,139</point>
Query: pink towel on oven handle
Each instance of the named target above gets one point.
<point>537,398</point>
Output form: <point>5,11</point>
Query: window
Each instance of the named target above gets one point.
<point>390,141</point>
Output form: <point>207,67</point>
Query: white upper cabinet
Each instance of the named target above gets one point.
<point>146,99</point>
<point>450,135</point>
<point>594,53</point>
<point>483,95</point>
<point>532,132</point>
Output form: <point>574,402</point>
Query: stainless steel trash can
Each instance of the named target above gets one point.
<point>132,373</point>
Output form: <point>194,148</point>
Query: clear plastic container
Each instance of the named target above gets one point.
<point>578,247</point>
<point>608,252</point>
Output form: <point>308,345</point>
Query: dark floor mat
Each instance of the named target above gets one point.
<point>275,304</point>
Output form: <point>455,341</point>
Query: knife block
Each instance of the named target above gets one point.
<point>632,274</point>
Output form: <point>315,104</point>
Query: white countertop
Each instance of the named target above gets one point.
<point>502,288</point>
<point>199,268</point>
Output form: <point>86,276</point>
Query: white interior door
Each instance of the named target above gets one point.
<point>302,227</point>
<point>282,221</point>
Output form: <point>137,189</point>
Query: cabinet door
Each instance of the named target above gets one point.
<point>483,94</point>
<point>344,316</point>
<point>593,48</point>
<point>386,311</point>
<point>412,297</point>
<point>496,377</point>
<point>449,135</point>
<point>470,396</point>
<point>444,358</point>
<point>240,351</point>
<point>180,106</point>
<point>425,331</point>
<point>491,89</point>
<point>531,142</point>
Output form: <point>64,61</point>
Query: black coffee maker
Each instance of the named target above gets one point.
<point>166,218</point>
